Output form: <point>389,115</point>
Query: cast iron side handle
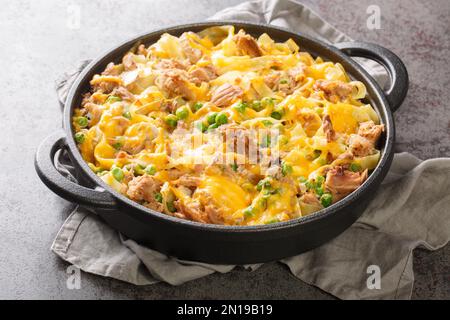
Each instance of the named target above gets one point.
<point>394,66</point>
<point>63,187</point>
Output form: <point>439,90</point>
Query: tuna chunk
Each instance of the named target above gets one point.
<point>144,188</point>
<point>142,50</point>
<point>286,81</point>
<point>93,112</point>
<point>128,62</point>
<point>123,93</point>
<point>360,146</point>
<point>192,210</point>
<point>328,128</point>
<point>215,214</point>
<point>170,64</point>
<point>311,199</point>
<point>334,90</point>
<point>363,143</point>
<point>105,84</point>
<point>191,53</point>
<point>247,45</point>
<point>203,74</point>
<point>188,180</point>
<point>341,182</point>
<point>309,203</point>
<point>112,70</point>
<point>226,94</point>
<point>175,83</point>
<point>272,80</point>
<point>370,131</point>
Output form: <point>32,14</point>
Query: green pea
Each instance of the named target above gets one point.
<point>310,185</point>
<point>286,169</point>
<point>171,206</point>
<point>150,169</point>
<point>80,137</point>
<point>158,197</point>
<point>240,107</point>
<point>117,145</point>
<point>182,113</point>
<point>119,142</point>
<point>117,174</point>
<point>234,166</point>
<point>211,118</point>
<point>127,115</point>
<point>326,199</point>
<point>82,122</point>
<point>259,186</point>
<point>249,212</point>
<point>267,101</point>
<point>257,105</point>
<point>320,179</point>
<point>355,167</point>
<point>283,81</point>
<point>197,106</point>
<point>221,119</point>
<point>319,190</point>
<point>276,115</point>
<point>112,99</point>
<point>172,120</point>
<point>139,169</point>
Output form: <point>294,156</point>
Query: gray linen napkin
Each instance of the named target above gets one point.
<point>410,210</point>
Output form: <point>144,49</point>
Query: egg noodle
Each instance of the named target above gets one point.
<point>221,127</point>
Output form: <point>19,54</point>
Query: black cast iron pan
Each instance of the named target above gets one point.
<point>216,243</point>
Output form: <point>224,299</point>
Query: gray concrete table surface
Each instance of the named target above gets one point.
<point>39,41</point>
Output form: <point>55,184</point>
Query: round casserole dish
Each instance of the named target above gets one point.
<point>221,243</point>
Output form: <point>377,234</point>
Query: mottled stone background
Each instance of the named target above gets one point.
<point>37,44</point>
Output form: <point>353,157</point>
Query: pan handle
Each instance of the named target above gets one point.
<point>63,187</point>
<point>391,62</point>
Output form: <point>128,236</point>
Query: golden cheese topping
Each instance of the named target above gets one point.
<point>227,128</point>
<point>225,192</point>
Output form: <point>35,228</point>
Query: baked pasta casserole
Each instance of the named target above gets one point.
<point>222,127</point>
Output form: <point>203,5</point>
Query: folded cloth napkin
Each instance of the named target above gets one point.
<point>410,210</point>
